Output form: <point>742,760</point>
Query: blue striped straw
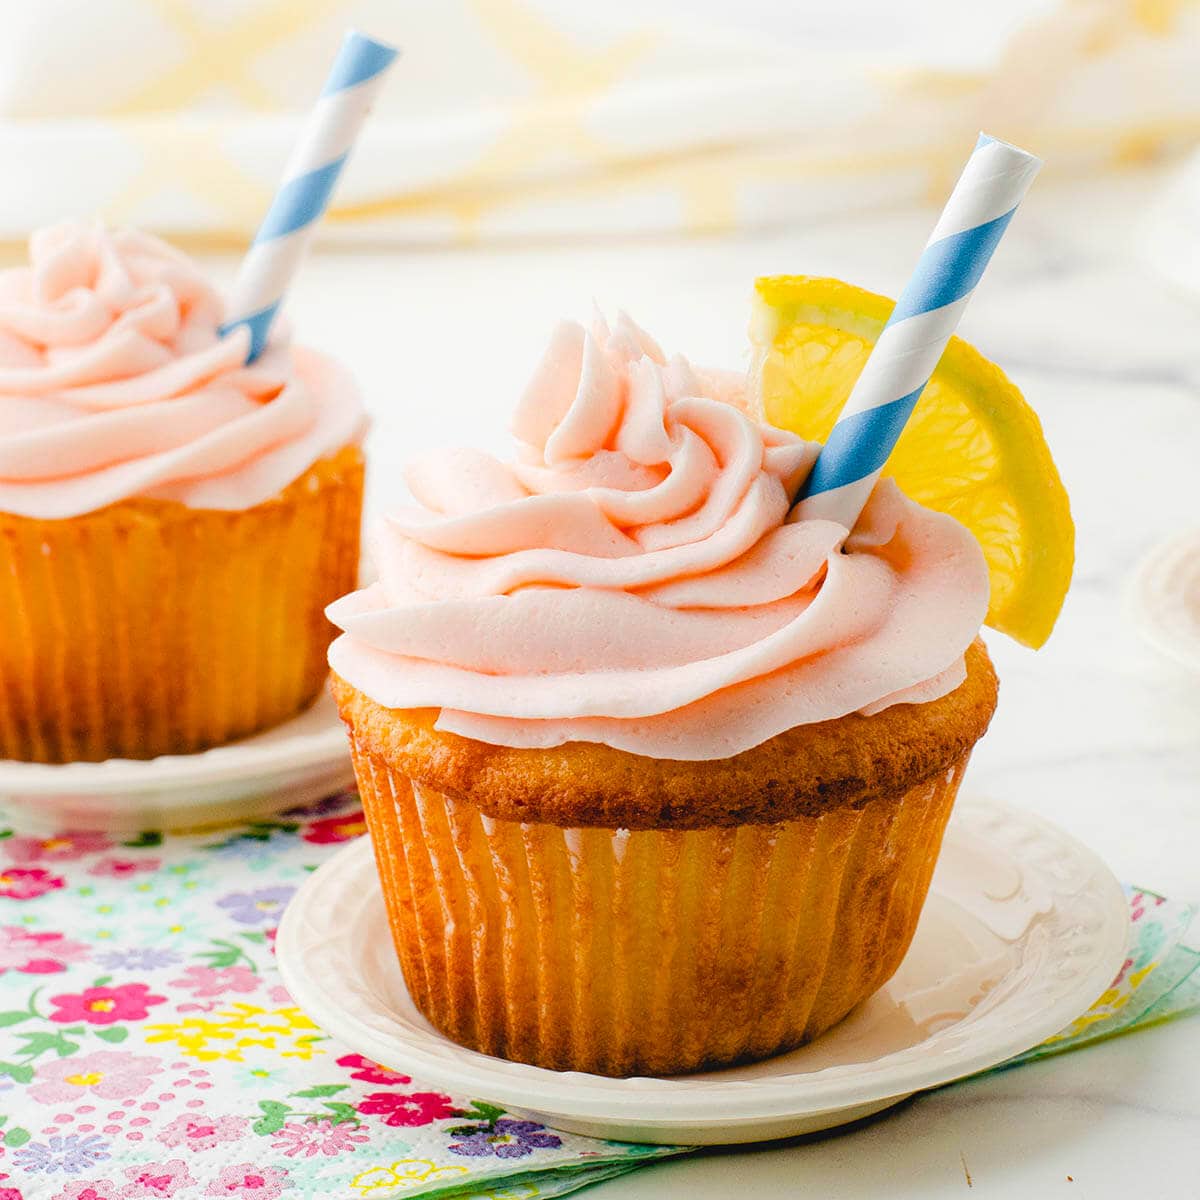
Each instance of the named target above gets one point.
<point>992,184</point>
<point>308,183</point>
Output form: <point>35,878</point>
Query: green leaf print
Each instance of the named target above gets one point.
<point>17,1015</point>
<point>18,1072</point>
<point>144,840</point>
<point>16,1136</point>
<point>489,1114</point>
<point>39,1042</point>
<point>324,1089</point>
<point>257,831</point>
<point>274,1117</point>
<point>114,1033</point>
<point>225,954</point>
<point>342,1113</point>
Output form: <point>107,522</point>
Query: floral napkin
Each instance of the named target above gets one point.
<point>148,1050</point>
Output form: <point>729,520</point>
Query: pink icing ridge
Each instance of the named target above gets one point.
<point>631,578</point>
<point>114,383</point>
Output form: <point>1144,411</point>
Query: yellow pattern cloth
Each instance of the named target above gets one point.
<point>519,118</point>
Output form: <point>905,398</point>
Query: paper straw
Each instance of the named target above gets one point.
<point>308,182</point>
<point>992,184</point>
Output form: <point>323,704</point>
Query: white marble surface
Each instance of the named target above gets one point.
<point>1095,731</point>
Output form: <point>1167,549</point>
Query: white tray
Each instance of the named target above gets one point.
<point>302,760</point>
<point>1023,929</point>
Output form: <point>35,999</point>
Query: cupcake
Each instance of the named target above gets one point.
<point>172,522</point>
<point>656,780</point>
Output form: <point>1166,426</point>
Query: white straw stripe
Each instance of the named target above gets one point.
<point>989,189</point>
<point>334,125</point>
<point>833,504</point>
<point>268,268</point>
<point>904,356</point>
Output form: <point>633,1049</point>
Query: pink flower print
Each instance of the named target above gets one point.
<point>198,1132</point>
<point>105,1005</point>
<point>317,1137</point>
<point>343,828</point>
<point>207,982</point>
<point>154,1180</point>
<point>415,1108</point>
<point>28,883</point>
<point>109,1074</point>
<point>88,1189</point>
<point>123,868</point>
<point>37,953</point>
<point>248,1181</point>
<point>61,847</point>
<point>7,1193</point>
<point>372,1072</point>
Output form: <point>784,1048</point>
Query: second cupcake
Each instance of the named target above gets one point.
<point>172,522</point>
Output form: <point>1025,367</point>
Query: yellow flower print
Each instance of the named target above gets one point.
<point>1109,1003</point>
<point>401,1174</point>
<point>286,1031</point>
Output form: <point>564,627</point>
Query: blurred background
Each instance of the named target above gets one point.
<point>540,118</point>
<point>529,157</point>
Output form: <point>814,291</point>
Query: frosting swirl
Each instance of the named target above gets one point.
<point>114,383</point>
<point>630,579</point>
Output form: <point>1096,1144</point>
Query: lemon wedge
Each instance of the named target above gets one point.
<point>973,447</point>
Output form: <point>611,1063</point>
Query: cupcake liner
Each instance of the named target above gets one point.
<point>653,951</point>
<point>150,628</point>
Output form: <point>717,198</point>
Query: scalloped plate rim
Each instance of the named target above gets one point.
<point>295,763</point>
<point>582,1097</point>
<point>288,750</point>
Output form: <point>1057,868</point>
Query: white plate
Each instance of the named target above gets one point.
<point>1164,596</point>
<point>298,762</point>
<point>1023,929</point>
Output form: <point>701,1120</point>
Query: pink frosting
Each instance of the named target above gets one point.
<point>631,579</point>
<point>114,383</point>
